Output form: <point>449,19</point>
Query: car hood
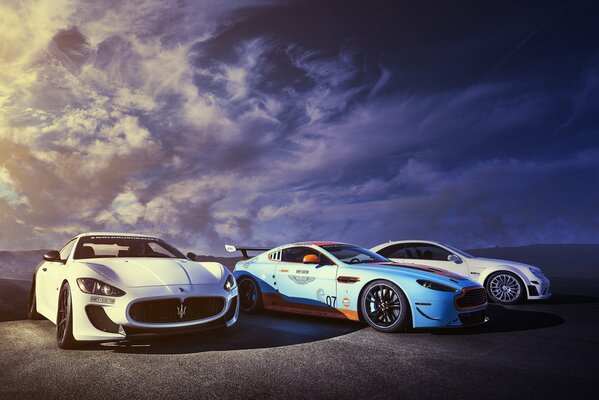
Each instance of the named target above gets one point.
<point>139,272</point>
<point>421,272</point>
<point>491,262</point>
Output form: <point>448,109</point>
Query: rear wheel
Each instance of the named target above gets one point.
<point>385,306</point>
<point>505,288</point>
<point>32,305</point>
<point>64,320</point>
<point>250,297</point>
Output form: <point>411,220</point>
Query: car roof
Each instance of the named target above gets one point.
<point>412,241</point>
<point>324,243</point>
<point>116,234</point>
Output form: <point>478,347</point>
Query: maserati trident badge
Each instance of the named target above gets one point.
<point>181,310</point>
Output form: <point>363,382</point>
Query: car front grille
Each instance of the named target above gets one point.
<point>173,310</point>
<point>471,298</point>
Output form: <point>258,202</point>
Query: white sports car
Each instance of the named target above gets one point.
<point>110,286</point>
<point>506,282</point>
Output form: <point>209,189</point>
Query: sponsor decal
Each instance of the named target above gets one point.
<point>249,263</point>
<point>346,302</point>
<point>124,237</point>
<point>101,300</point>
<point>301,280</point>
<point>320,295</point>
<point>302,271</point>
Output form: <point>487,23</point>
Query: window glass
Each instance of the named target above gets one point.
<point>66,250</point>
<point>297,254</point>
<point>124,246</point>
<point>458,251</point>
<point>394,251</point>
<point>424,251</point>
<point>353,254</point>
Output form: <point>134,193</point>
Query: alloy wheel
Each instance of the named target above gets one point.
<point>248,294</point>
<point>505,288</point>
<point>383,305</point>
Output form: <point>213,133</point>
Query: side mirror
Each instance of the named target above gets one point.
<point>52,256</point>
<point>311,259</point>
<point>192,256</point>
<point>454,258</point>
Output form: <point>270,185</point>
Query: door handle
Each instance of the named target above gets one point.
<point>44,269</point>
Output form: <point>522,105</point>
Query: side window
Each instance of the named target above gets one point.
<point>296,255</point>
<point>410,251</point>
<point>66,250</point>
<point>276,256</point>
<point>430,252</point>
<point>394,251</point>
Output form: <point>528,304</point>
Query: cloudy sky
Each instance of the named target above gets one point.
<point>212,122</point>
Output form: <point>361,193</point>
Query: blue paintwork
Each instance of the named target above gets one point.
<point>439,310</point>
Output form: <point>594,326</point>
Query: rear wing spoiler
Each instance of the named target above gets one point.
<point>244,250</point>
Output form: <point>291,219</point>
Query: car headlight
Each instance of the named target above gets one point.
<point>537,272</point>
<point>229,283</point>
<point>436,286</point>
<point>94,286</point>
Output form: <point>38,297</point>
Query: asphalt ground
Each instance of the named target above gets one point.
<point>540,350</point>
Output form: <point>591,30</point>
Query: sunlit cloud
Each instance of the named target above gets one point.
<point>199,122</point>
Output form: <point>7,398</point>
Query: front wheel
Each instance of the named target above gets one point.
<point>505,288</point>
<point>64,319</point>
<point>385,307</point>
<point>250,297</point>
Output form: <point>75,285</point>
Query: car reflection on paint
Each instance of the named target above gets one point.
<point>339,280</point>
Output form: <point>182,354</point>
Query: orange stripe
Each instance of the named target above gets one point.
<point>276,302</point>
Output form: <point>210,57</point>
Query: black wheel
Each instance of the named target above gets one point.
<point>250,297</point>
<point>64,319</point>
<point>385,306</point>
<point>505,288</point>
<point>32,305</point>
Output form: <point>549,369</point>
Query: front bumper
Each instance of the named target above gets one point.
<point>98,318</point>
<point>538,288</point>
<point>439,311</point>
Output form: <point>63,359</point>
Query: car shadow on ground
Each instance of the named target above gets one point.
<point>273,329</point>
<point>506,319</point>
<point>267,330</point>
<point>277,329</point>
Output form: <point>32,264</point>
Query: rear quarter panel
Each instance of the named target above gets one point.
<point>261,269</point>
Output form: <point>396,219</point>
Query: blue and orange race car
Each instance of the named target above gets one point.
<point>341,280</point>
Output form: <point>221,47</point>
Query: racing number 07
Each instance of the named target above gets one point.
<point>332,301</point>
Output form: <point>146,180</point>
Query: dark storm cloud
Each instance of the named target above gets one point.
<point>473,123</point>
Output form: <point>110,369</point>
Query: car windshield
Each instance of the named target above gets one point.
<point>460,252</point>
<point>124,246</point>
<point>351,254</point>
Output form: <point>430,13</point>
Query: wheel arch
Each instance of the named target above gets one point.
<point>361,293</point>
<point>492,271</point>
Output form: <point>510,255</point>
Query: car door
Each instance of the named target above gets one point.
<point>307,285</point>
<point>49,279</point>
<point>433,256</point>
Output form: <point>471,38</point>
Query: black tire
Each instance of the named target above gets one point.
<point>64,320</point>
<point>385,307</point>
<point>250,296</point>
<point>32,304</point>
<point>505,287</point>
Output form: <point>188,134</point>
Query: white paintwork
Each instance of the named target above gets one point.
<point>140,278</point>
<point>477,268</point>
